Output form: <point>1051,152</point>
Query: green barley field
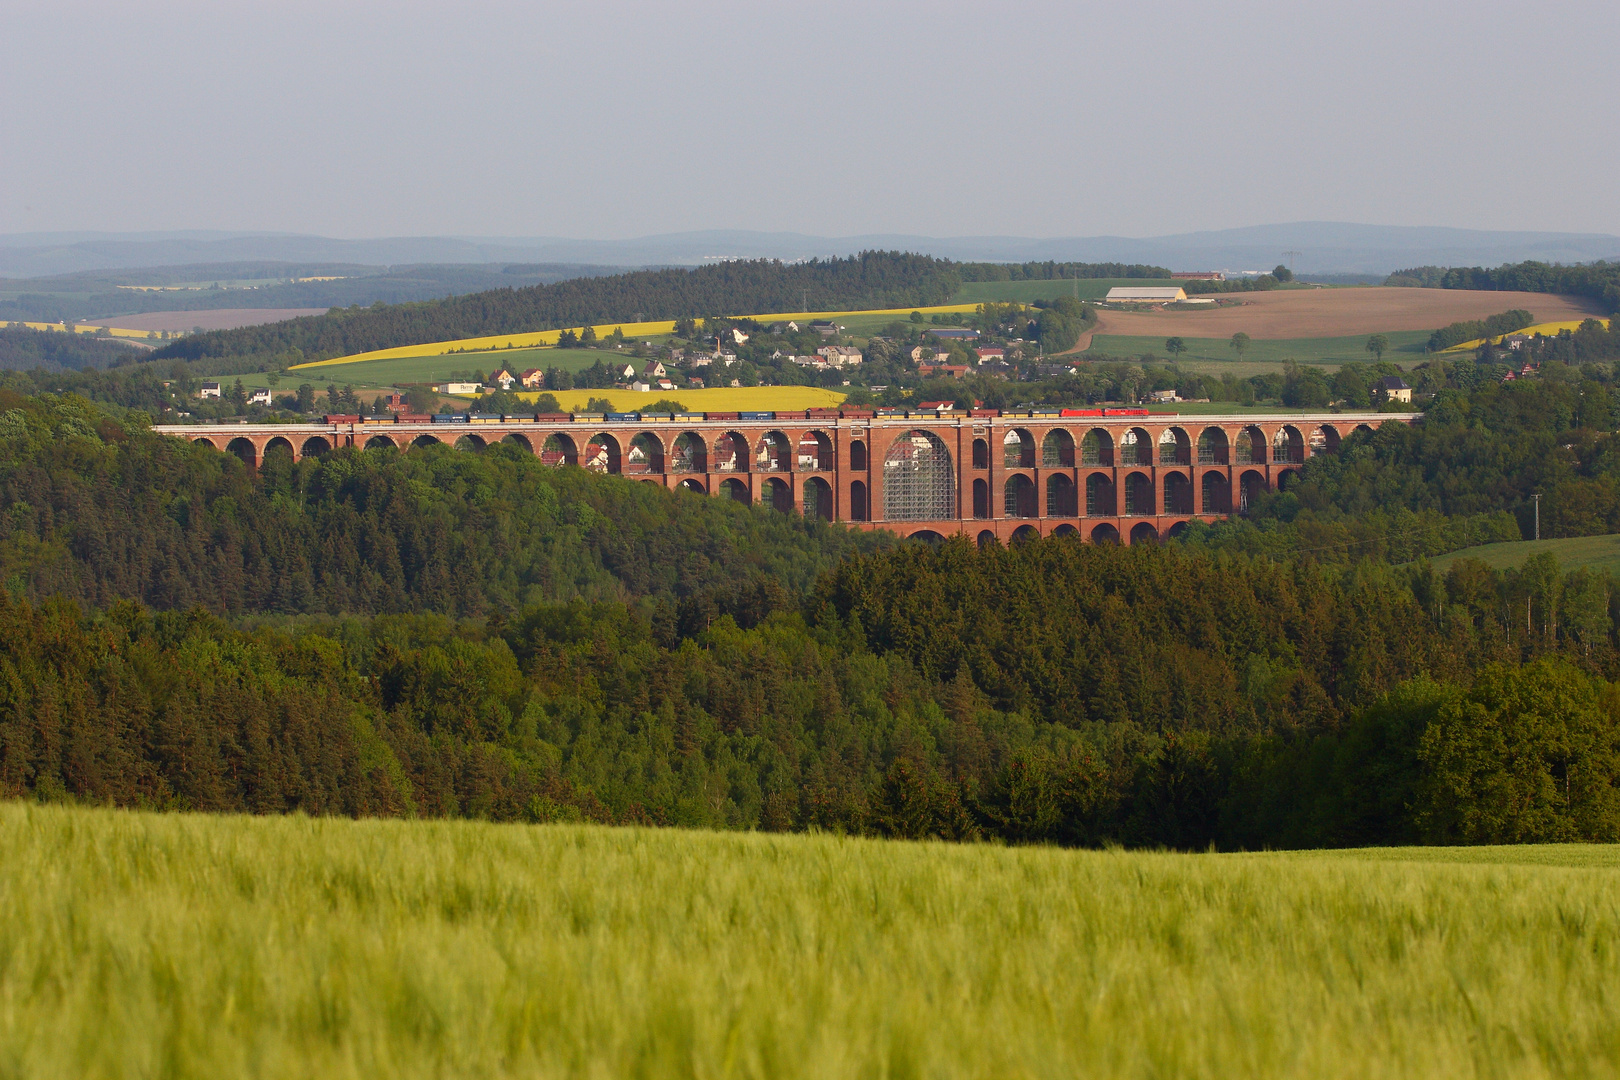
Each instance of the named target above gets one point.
<point>139,945</point>
<point>1574,552</point>
<point>1406,347</point>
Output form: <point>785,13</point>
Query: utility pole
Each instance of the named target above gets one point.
<point>1537,498</point>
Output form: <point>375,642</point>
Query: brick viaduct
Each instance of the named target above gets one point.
<point>1122,478</point>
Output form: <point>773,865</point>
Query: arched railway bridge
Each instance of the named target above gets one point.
<point>1123,478</point>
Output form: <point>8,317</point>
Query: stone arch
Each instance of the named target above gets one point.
<point>918,481</point>
<point>690,454</point>
<point>1178,492</point>
<point>1251,485</point>
<point>1213,448</point>
<point>602,454</point>
<point>731,453</point>
<point>204,442</point>
<point>981,453</point>
<point>646,454</point>
<point>244,449</point>
<point>557,450</point>
<point>735,490</point>
<point>1324,440</point>
<point>1175,448</point>
<point>1139,495</point>
<point>1217,494</point>
<point>857,455</point>
<point>315,446</point>
<point>1097,448</point>
<point>1068,531</point>
<point>280,444</point>
<point>1176,531</point>
<point>1025,534</point>
<point>472,442</point>
<point>1057,450</point>
<point>1143,532</point>
<point>1364,429</point>
<point>517,439</point>
<point>1286,479</point>
<point>981,498</point>
<point>818,499</point>
<point>858,508</point>
<point>1104,534</point>
<point>1100,500</point>
<point>987,539</point>
<point>1288,446</point>
<point>927,536</point>
<point>693,484</point>
<point>1020,497</point>
<point>423,441</point>
<point>776,494</point>
<point>1136,447</point>
<point>1251,446</point>
<point>1018,449</point>
<point>1061,496</point>
<point>774,454</point>
<point>381,442</point>
<point>815,452</point>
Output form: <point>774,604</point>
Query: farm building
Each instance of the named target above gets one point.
<point>955,334</point>
<point>839,356</point>
<point>1130,294</point>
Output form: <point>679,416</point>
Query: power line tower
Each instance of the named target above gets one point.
<point>1291,256</point>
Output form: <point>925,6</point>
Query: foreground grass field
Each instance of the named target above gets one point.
<point>193,946</point>
<point>1575,552</point>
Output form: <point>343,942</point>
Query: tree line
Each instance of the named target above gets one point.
<point>1053,692</point>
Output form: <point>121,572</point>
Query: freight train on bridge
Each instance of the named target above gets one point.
<point>1122,475</point>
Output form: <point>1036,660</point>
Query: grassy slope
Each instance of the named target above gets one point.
<point>977,292</point>
<point>138,945</point>
<point>1406,347</point>
<point>1596,552</point>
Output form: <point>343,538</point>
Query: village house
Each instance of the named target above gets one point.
<point>953,371</point>
<point>395,402</point>
<point>652,369</point>
<point>501,378</point>
<point>628,371</point>
<point>260,396</point>
<point>935,406</point>
<point>839,356</point>
<point>1394,388</point>
<point>990,355</point>
<point>640,387</point>
<point>532,379</point>
<point>208,390</point>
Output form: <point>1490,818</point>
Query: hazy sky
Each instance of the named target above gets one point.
<point>604,119</point>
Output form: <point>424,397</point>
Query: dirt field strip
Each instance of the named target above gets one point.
<point>1306,313</point>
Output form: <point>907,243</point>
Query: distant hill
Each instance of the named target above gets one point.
<point>1324,248</point>
<point>94,294</point>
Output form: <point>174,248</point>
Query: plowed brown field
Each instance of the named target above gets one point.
<point>1312,313</point>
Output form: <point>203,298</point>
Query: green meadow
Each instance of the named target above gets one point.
<point>139,945</point>
<point>977,292</point>
<point>1405,347</point>
<point>426,369</point>
<point>1573,553</point>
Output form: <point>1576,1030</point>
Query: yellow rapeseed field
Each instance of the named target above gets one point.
<point>544,338</point>
<point>1548,329</point>
<point>147,945</point>
<point>86,328</point>
<point>717,399</point>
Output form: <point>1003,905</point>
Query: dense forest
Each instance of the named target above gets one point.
<point>442,633</point>
<point>869,280</point>
<point>24,349</point>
